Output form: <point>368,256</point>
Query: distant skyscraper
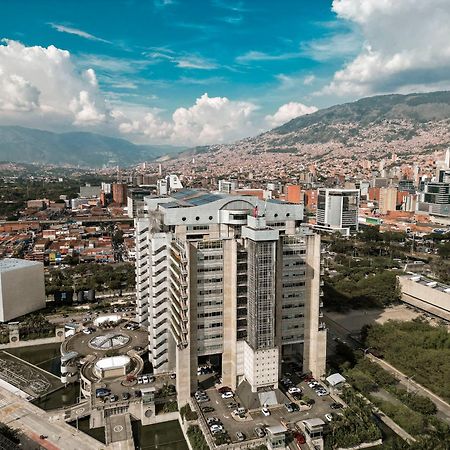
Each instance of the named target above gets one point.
<point>119,193</point>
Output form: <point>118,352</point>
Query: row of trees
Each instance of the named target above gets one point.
<point>354,426</point>
<point>417,349</point>
<point>98,277</point>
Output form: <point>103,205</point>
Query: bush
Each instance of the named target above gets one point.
<point>187,413</point>
<point>416,402</point>
<point>196,438</point>
<point>411,421</point>
<point>169,407</point>
<point>417,349</point>
<point>355,426</point>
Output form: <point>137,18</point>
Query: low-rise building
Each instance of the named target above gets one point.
<point>21,288</point>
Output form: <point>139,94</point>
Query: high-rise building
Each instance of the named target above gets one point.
<point>21,288</point>
<point>119,193</point>
<point>135,201</point>
<point>434,198</point>
<point>337,210</point>
<point>230,278</point>
<point>388,200</point>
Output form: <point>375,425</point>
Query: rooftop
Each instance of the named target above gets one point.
<point>7,264</point>
<point>430,283</point>
<point>186,198</point>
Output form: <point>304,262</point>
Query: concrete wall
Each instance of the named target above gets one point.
<point>21,291</point>
<point>426,294</point>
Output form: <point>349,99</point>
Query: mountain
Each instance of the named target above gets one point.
<point>371,128</point>
<point>28,145</point>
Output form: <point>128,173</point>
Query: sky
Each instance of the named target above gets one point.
<point>196,72</point>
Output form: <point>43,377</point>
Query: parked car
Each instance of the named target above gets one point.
<point>329,417</point>
<point>294,390</point>
<point>295,407</point>
<point>212,420</point>
<point>260,432</point>
<point>207,409</point>
<point>102,392</point>
<point>216,427</point>
<point>336,406</point>
<point>288,407</point>
<point>265,411</point>
<point>173,376</point>
<point>113,398</point>
<point>228,394</point>
<point>240,436</point>
<point>300,437</point>
<point>203,399</point>
<point>224,389</point>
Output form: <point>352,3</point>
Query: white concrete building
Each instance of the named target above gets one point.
<point>337,210</point>
<point>232,279</point>
<point>21,288</point>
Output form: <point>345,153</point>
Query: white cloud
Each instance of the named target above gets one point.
<point>335,46</point>
<point>77,32</point>
<point>289,111</point>
<point>261,56</point>
<point>194,62</point>
<point>17,94</point>
<point>210,120</point>
<point>308,80</point>
<point>45,80</point>
<point>406,47</point>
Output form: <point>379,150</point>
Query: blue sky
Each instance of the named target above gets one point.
<point>140,68</point>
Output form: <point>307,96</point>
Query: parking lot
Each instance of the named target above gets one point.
<point>255,418</point>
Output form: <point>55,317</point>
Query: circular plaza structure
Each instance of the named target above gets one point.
<point>107,350</point>
<point>109,341</point>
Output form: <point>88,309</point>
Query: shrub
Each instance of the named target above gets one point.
<point>196,438</point>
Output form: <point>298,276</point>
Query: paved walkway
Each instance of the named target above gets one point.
<point>118,432</point>
<point>34,422</point>
<point>442,406</point>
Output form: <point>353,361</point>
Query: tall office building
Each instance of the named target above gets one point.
<point>230,278</point>
<point>337,210</point>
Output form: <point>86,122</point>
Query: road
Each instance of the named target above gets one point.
<point>34,422</point>
<point>442,406</point>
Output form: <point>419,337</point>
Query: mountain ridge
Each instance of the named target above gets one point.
<point>75,148</point>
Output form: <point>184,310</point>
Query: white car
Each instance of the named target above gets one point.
<point>216,427</point>
<point>312,384</point>
<point>145,379</point>
<point>294,390</point>
<point>329,417</point>
<point>265,411</point>
<point>228,394</point>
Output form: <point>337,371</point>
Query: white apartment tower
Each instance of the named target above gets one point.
<point>229,277</point>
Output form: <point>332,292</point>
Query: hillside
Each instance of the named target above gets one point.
<point>27,145</point>
<point>371,129</point>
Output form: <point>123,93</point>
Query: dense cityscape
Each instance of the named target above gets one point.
<point>225,225</point>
